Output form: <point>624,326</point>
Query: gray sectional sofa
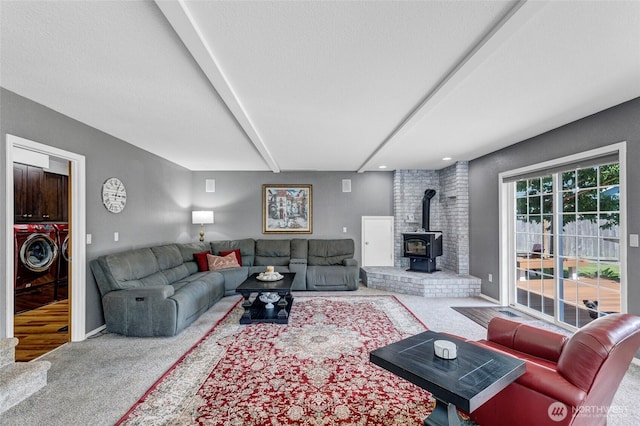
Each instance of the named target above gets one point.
<point>158,291</point>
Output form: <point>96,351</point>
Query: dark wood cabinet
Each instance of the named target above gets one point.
<point>55,197</point>
<point>39,196</point>
<point>28,193</point>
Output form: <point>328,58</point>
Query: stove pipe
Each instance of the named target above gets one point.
<point>426,207</point>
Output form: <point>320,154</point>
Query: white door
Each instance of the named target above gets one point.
<point>377,240</point>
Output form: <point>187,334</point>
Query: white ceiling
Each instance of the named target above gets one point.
<point>340,85</point>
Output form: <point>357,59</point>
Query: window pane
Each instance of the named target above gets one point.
<point>568,246</point>
<point>535,224</point>
<point>547,204</point>
<point>588,200</point>
<point>610,199</point>
<point>569,224</point>
<point>569,268</point>
<point>568,202</point>
<point>588,177</point>
<point>588,224</point>
<point>534,186</point>
<point>609,249</point>
<point>521,206</point>
<point>609,175</point>
<point>568,180</point>
<point>535,205</point>
<point>587,247</point>
<point>522,244</point>
<point>547,184</point>
<point>609,224</point>
<point>608,271</point>
<point>547,222</point>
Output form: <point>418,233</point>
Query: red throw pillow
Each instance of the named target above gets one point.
<point>236,251</point>
<point>201,260</point>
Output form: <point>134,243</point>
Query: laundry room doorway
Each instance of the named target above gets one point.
<point>41,232</point>
<point>45,283</point>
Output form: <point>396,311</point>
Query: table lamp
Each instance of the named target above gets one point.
<point>201,217</point>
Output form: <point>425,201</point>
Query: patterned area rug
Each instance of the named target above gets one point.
<point>313,371</point>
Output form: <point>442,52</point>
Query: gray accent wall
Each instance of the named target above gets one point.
<point>617,124</point>
<point>237,203</point>
<point>158,191</point>
<point>161,194</point>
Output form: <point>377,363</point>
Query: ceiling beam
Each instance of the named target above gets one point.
<point>182,21</point>
<point>512,21</point>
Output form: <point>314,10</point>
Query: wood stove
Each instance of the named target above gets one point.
<point>423,246</point>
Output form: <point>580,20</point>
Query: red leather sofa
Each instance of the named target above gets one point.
<point>569,381</point>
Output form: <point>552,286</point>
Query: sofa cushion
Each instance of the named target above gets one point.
<point>246,246</point>
<point>330,252</point>
<point>590,346</point>
<point>273,252</point>
<point>233,277</point>
<point>202,261</point>
<point>188,250</point>
<point>170,262</point>
<point>522,355</point>
<point>331,276</point>
<point>534,341</point>
<point>168,256</point>
<point>299,248</point>
<point>237,252</point>
<point>222,262</point>
<point>129,267</point>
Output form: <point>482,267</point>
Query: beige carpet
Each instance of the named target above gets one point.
<point>96,381</point>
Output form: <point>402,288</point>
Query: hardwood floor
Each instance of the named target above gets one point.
<point>41,330</point>
<point>483,314</point>
<point>32,298</point>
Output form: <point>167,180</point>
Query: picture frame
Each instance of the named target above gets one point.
<point>287,209</point>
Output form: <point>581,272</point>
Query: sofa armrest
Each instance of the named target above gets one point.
<point>143,293</point>
<point>145,311</point>
<point>534,341</point>
<point>350,262</point>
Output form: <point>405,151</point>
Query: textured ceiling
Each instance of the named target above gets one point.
<point>226,85</point>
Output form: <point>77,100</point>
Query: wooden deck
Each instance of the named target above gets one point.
<point>573,292</point>
<point>525,264</point>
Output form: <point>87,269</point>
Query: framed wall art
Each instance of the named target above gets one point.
<point>287,209</point>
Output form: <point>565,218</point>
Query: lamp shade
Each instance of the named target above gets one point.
<point>201,217</point>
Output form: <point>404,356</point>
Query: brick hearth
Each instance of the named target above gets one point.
<point>437,284</point>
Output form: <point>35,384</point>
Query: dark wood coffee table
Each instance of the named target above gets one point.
<point>467,382</point>
<point>256,311</point>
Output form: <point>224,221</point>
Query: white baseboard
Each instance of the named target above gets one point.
<point>96,331</point>
<point>490,299</point>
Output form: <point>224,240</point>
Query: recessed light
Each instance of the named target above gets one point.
<point>446,158</point>
<point>382,167</point>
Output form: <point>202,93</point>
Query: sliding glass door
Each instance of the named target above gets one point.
<point>566,247</point>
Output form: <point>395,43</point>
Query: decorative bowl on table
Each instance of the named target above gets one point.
<point>269,299</point>
<point>445,349</point>
<point>270,276</point>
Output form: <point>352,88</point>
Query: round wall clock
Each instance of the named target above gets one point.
<point>114,195</point>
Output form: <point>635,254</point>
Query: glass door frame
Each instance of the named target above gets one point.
<point>507,249</point>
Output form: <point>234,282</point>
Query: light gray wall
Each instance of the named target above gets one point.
<point>161,195</point>
<point>158,191</point>
<point>237,202</point>
<point>620,123</point>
